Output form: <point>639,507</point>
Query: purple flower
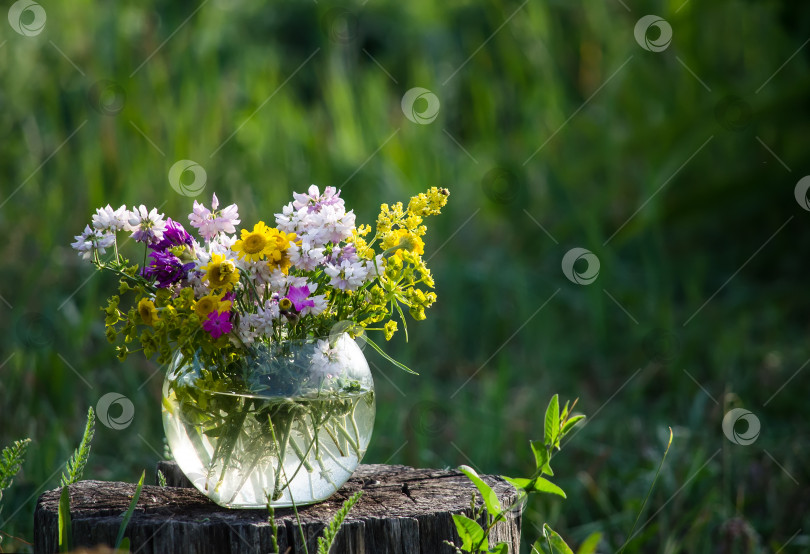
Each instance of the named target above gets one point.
<point>173,235</point>
<point>166,268</point>
<point>218,324</point>
<point>298,296</point>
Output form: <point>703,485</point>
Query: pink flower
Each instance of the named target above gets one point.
<point>218,324</point>
<point>210,222</point>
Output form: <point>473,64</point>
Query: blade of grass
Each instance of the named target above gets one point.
<point>119,541</point>
<point>649,493</point>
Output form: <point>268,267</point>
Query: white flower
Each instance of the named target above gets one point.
<point>93,240</point>
<point>244,331</point>
<point>107,219</point>
<point>265,316</point>
<point>306,257</point>
<point>347,275</point>
<point>328,361</point>
<point>146,226</point>
<point>317,218</point>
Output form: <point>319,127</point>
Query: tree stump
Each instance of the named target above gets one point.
<point>403,510</point>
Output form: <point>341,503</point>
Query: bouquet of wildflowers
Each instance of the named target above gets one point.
<point>313,270</point>
<point>231,311</point>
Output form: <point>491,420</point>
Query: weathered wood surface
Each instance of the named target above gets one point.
<point>402,510</point>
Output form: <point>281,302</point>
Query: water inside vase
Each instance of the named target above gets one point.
<point>235,460</point>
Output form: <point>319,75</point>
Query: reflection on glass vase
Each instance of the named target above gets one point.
<point>286,421</point>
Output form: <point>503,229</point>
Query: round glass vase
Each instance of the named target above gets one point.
<point>285,422</point>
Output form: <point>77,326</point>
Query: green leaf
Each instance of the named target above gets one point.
<point>490,498</point>
<point>470,533</point>
<point>500,548</point>
<point>538,484</point>
<point>570,424</point>
<point>64,520</point>
<point>556,541</point>
<point>552,426</point>
<point>589,545</point>
<point>387,357</point>
<point>124,545</point>
<point>541,457</point>
<point>119,541</point>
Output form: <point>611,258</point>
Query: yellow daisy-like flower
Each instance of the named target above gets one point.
<point>210,303</point>
<point>220,273</point>
<point>147,311</point>
<point>255,244</point>
<point>277,255</point>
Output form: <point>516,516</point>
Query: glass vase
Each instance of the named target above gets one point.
<point>285,422</point>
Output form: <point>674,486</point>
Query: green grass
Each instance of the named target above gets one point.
<point>236,67</point>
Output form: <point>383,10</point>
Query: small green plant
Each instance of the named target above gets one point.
<point>74,469</point>
<point>76,464</point>
<point>474,537</point>
<point>11,460</point>
<point>326,541</point>
<point>161,478</point>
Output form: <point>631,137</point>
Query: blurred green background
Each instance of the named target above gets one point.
<point>556,130</point>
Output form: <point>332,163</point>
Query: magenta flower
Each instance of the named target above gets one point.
<point>218,324</point>
<point>298,296</point>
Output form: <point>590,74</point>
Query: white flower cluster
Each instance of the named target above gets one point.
<point>321,221</point>
<point>145,225</point>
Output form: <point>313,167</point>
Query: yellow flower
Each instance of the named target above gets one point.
<point>401,239</point>
<point>210,303</point>
<point>147,311</point>
<point>220,273</point>
<point>278,255</point>
<point>390,328</point>
<point>255,244</point>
